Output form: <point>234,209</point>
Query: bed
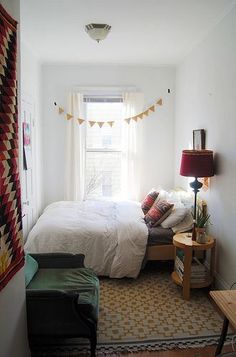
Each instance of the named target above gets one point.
<point>112,235</point>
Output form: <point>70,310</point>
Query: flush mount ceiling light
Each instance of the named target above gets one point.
<point>97,32</point>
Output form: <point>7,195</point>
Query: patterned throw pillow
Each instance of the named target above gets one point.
<point>148,201</point>
<point>158,212</point>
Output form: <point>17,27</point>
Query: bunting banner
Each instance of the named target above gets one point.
<point>11,237</point>
<point>100,123</point>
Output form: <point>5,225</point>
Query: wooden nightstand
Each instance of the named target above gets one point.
<point>184,242</point>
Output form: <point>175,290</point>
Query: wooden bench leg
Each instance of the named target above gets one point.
<point>222,336</point>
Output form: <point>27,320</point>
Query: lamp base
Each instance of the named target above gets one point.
<point>195,185</point>
<point>194,231</point>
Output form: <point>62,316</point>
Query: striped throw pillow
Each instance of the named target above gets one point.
<point>148,201</point>
<point>158,212</point>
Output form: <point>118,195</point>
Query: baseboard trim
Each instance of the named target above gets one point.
<point>220,283</point>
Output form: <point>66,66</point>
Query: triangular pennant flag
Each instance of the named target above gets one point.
<point>146,112</point>
<point>91,123</point>
<point>69,116</point>
<point>159,102</point>
<point>135,118</point>
<point>100,123</point>
<point>141,116</point>
<point>2,70</point>
<point>110,123</point>
<point>60,110</point>
<point>80,121</point>
<point>128,120</point>
<point>152,108</point>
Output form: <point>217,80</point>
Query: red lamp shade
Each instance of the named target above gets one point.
<point>197,163</point>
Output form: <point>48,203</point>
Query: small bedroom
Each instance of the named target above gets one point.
<point>117,178</point>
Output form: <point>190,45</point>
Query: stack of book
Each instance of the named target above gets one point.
<point>199,272</point>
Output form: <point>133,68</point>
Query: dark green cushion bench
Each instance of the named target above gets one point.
<point>82,279</point>
<point>62,298</point>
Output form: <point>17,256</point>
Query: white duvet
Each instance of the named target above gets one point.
<point>111,235</point>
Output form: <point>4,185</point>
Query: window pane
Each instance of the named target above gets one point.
<point>103,169</point>
<point>103,174</point>
<point>105,137</point>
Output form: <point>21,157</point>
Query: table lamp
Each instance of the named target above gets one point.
<point>196,163</point>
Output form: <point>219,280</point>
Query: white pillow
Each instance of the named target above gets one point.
<point>186,198</point>
<point>185,225</point>
<point>176,216</point>
<point>163,195</point>
<point>171,197</point>
<point>179,197</point>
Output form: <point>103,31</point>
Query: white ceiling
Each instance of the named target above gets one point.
<point>147,32</point>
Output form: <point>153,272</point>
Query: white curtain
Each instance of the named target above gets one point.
<point>75,150</point>
<point>131,147</point>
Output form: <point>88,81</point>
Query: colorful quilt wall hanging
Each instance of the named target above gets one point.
<point>11,237</point>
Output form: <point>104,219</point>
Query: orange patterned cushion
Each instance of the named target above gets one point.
<point>148,201</point>
<point>158,212</point>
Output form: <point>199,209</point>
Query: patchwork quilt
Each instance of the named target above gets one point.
<point>11,240</point>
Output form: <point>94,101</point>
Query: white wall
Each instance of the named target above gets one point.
<point>13,337</point>
<point>31,91</point>
<point>206,98</point>
<point>157,159</point>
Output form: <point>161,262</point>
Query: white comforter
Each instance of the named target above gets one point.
<point>111,235</point>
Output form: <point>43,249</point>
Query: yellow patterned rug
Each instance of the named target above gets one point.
<point>149,314</point>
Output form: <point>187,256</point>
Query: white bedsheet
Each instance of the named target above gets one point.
<point>111,235</point>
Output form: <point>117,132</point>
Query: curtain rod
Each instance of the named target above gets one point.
<point>105,88</point>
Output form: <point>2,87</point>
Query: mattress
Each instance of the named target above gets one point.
<point>159,236</point>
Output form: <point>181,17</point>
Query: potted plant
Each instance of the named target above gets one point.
<point>202,219</point>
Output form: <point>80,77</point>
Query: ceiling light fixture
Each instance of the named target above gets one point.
<point>98,32</point>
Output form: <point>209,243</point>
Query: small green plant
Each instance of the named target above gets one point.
<point>202,218</point>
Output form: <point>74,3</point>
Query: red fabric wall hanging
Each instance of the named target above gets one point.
<point>11,238</point>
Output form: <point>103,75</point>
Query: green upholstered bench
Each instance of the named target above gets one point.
<point>62,298</point>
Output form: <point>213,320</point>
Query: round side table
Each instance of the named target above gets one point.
<point>184,242</point>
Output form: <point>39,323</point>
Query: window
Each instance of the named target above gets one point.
<point>107,183</point>
<point>103,147</point>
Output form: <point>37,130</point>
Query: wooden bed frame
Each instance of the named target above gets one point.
<point>160,252</point>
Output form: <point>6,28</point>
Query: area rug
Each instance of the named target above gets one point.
<point>149,314</point>
<point>11,240</point>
